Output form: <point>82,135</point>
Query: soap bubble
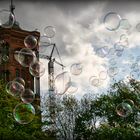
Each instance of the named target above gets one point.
<point>30,41</point>
<point>5,58</point>
<point>49,31</point>
<point>124,24</point>
<point>14,88</point>
<point>37,69</point>
<point>123,37</point>
<point>124,109</point>
<point>103,75</point>
<point>7,88</point>
<point>27,96</point>
<point>72,87</point>
<point>26,57</point>
<point>129,101</point>
<point>118,46</point>
<point>112,71</point>
<point>61,82</point>
<point>112,21</point>
<point>20,80</point>
<point>24,113</point>
<point>7,19</point>
<point>94,81</point>
<point>119,53</point>
<point>103,51</point>
<point>138,27</point>
<point>76,68</point>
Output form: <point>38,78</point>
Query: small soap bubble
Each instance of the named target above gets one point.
<point>94,81</point>
<point>30,41</point>
<point>49,31</point>
<point>26,56</point>
<point>14,88</point>
<point>103,75</point>
<point>103,51</point>
<point>124,110</point>
<point>112,71</point>
<point>37,69</point>
<point>76,68</point>
<point>20,80</point>
<point>27,96</point>
<point>112,21</point>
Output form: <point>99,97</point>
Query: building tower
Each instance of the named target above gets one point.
<point>11,42</point>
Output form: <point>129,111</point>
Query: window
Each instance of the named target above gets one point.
<point>4,52</point>
<point>17,73</point>
<point>5,75</point>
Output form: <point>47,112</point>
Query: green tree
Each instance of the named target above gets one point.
<point>9,128</point>
<point>103,111</point>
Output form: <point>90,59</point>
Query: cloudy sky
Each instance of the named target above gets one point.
<point>84,35</point>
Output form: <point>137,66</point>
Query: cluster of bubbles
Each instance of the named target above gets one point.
<point>23,112</point>
<point>28,58</point>
<point>114,22</point>
<point>125,108</point>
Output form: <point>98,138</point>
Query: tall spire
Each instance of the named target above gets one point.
<point>12,7</point>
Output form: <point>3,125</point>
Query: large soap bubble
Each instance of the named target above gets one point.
<point>49,31</point>
<point>7,19</point>
<point>37,69</point>
<point>24,113</point>
<point>28,96</point>
<point>112,21</point>
<point>124,109</point>
<point>61,82</point>
<point>15,88</point>
<point>26,56</point>
<point>30,41</point>
<point>76,68</point>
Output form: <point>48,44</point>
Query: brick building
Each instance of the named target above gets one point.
<point>12,41</point>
